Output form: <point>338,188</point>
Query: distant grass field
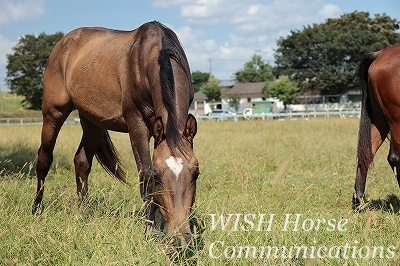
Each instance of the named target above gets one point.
<point>273,168</point>
<point>11,107</point>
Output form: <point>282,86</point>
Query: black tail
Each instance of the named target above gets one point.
<point>364,150</point>
<point>108,158</point>
<point>171,49</point>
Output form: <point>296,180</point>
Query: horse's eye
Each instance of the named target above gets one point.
<point>157,179</point>
<point>196,175</point>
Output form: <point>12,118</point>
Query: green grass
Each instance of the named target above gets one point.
<point>10,102</point>
<point>11,107</point>
<point>247,167</point>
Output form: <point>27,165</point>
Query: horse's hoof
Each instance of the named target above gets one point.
<point>37,208</point>
<point>359,203</point>
<point>148,230</point>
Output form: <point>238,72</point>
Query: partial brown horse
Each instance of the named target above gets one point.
<point>379,75</point>
<point>137,82</point>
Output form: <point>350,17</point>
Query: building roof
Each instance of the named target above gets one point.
<point>227,83</point>
<point>199,96</point>
<point>245,90</point>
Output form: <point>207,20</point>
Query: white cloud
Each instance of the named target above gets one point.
<point>212,12</point>
<point>329,11</point>
<point>187,34</point>
<point>283,14</point>
<point>11,11</point>
<point>5,48</point>
<point>241,27</point>
<point>251,14</point>
<point>168,3</point>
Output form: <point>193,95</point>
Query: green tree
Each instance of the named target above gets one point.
<point>199,78</point>
<point>323,58</point>
<point>26,66</point>
<point>212,89</point>
<point>234,102</point>
<point>283,88</point>
<point>255,70</point>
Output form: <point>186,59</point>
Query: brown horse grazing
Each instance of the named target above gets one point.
<point>137,82</point>
<point>379,75</point>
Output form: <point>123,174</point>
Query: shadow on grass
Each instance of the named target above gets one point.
<point>17,160</point>
<point>391,204</point>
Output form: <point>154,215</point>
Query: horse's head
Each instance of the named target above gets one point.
<point>175,178</point>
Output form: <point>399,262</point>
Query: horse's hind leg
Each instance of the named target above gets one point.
<point>56,106</point>
<point>379,131</point>
<point>394,155</point>
<point>91,140</point>
<point>53,119</point>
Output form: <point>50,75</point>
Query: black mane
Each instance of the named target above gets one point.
<point>171,49</point>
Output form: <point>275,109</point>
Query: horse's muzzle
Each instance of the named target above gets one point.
<point>180,240</point>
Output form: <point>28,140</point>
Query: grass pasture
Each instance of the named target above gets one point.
<point>284,170</point>
<point>11,107</point>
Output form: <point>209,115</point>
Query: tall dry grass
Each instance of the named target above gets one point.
<point>247,167</point>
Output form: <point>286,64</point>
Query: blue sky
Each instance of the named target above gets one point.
<point>224,32</point>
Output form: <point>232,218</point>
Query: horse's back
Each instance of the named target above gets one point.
<point>95,69</point>
<point>86,51</point>
<point>384,76</point>
<point>387,61</point>
<point>87,69</point>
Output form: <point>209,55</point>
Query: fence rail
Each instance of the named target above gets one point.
<point>290,115</point>
<point>26,121</point>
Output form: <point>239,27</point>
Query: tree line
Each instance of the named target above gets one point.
<point>318,59</point>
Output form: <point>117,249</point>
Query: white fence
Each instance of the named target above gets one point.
<point>29,121</point>
<point>288,115</point>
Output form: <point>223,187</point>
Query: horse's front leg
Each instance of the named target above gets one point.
<point>140,138</point>
<point>146,177</point>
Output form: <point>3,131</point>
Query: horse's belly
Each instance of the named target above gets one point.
<point>114,123</point>
<point>100,107</point>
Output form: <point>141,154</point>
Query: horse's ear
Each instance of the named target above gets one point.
<point>191,127</point>
<point>158,130</point>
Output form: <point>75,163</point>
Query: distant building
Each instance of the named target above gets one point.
<point>200,106</point>
<point>247,92</point>
<point>250,94</point>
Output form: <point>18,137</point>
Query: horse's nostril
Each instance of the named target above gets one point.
<point>187,236</point>
<point>180,240</point>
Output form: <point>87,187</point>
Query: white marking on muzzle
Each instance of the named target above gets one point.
<point>176,165</point>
